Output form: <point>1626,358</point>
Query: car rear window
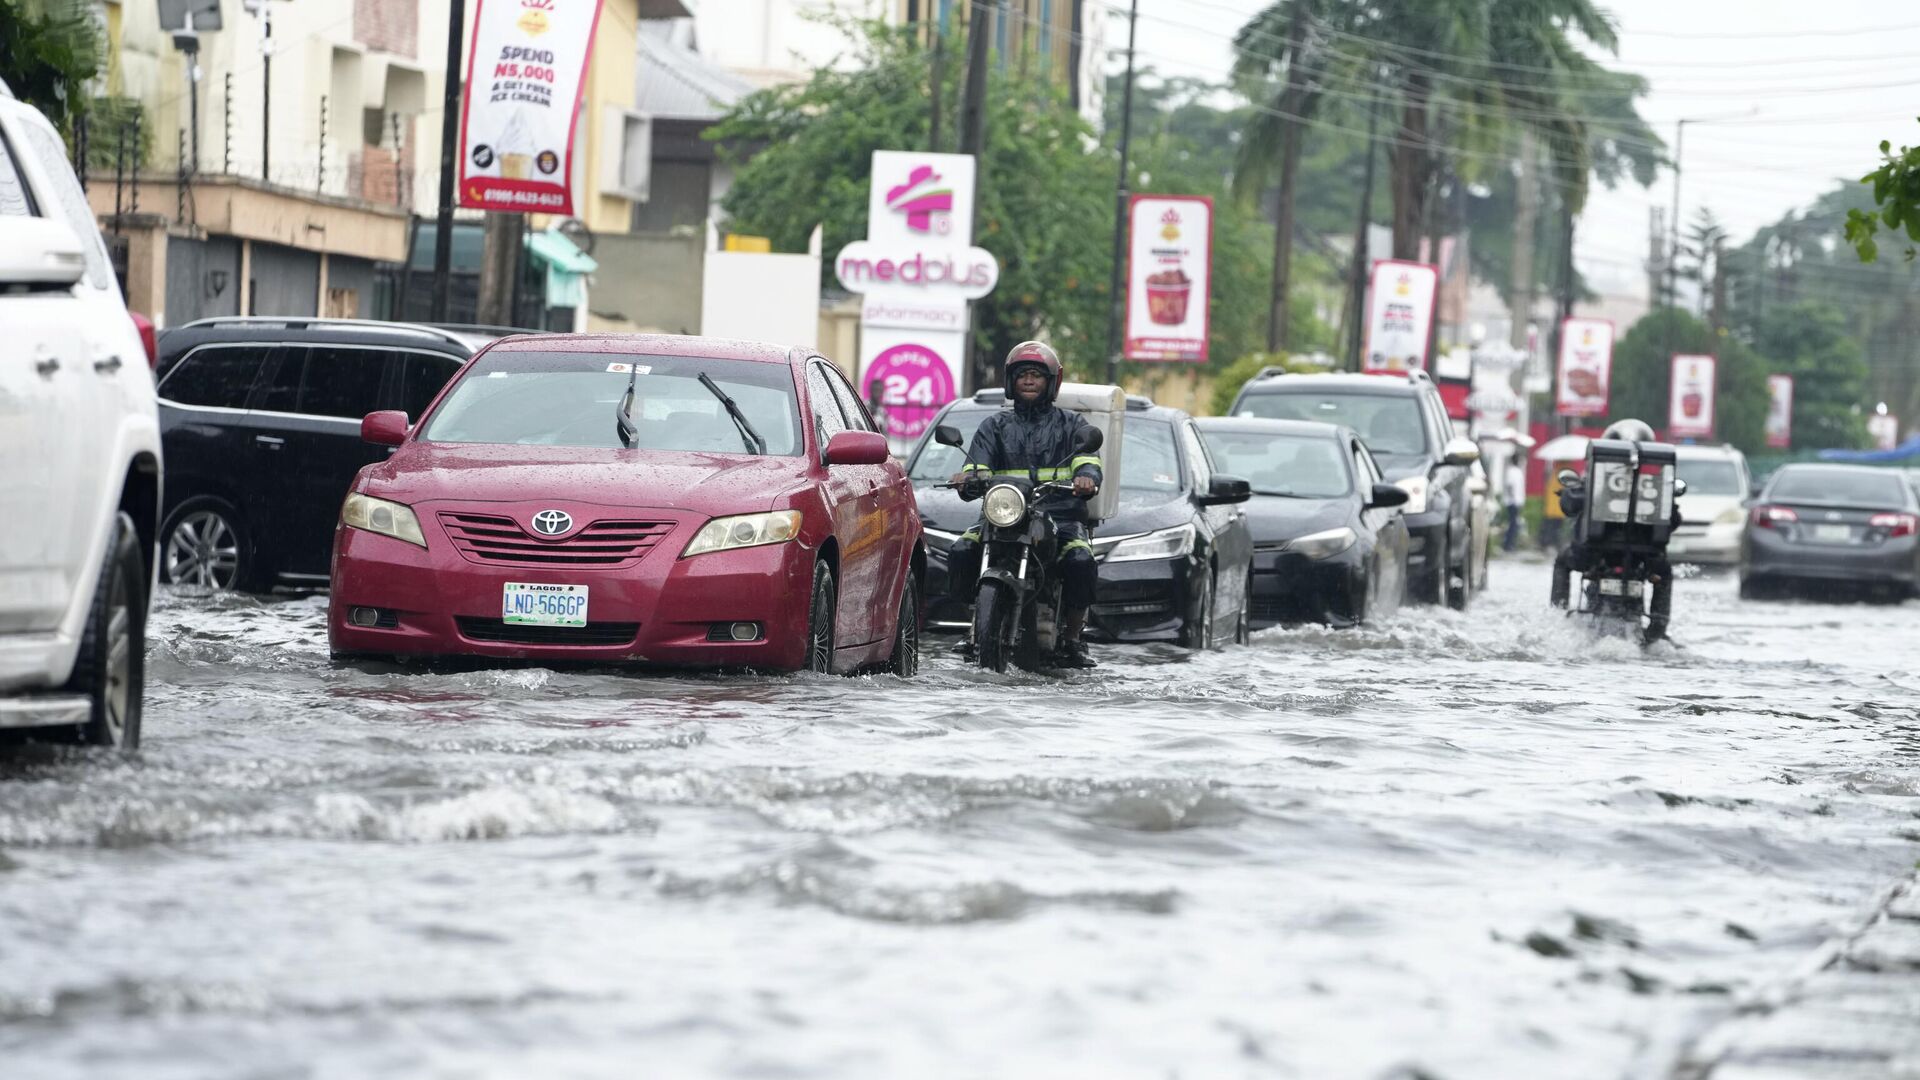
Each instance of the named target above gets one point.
<point>1302,466</point>
<point>571,398</point>
<point>342,382</point>
<point>1711,477</point>
<point>1387,423</point>
<point>1838,486</point>
<point>217,377</point>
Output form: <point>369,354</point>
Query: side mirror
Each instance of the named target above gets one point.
<point>1462,451</point>
<point>387,427</point>
<point>1679,488</point>
<point>857,448</point>
<point>1567,477</point>
<point>41,251</point>
<point>1224,490</point>
<point>1386,496</point>
<point>1091,439</point>
<point>948,435</point>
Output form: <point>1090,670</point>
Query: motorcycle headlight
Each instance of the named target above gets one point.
<point>383,517</point>
<point>1164,544</point>
<point>1322,545</point>
<point>1416,489</point>
<point>744,531</point>
<point>1004,506</point>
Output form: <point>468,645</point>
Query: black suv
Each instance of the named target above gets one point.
<point>1176,560</point>
<point>1405,425</point>
<point>260,424</point>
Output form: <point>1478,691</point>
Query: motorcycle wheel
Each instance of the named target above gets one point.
<point>993,626</point>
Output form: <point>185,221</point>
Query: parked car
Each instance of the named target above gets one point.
<point>521,518</point>
<point>261,422</point>
<point>1175,561</point>
<point>81,443</point>
<point>1713,515</point>
<point>1828,525</point>
<point>1329,541</point>
<point>1405,425</point>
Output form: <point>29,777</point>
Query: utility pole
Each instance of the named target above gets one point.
<point>449,152</point>
<point>1357,287</point>
<point>266,91</point>
<point>1525,210</point>
<point>500,269</point>
<point>1564,309</point>
<point>937,87</point>
<point>1291,98</point>
<point>973,136</point>
<point>1122,195</point>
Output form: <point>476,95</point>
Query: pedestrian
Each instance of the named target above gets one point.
<point>1513,483</point>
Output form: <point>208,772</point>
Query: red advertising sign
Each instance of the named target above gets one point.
<point>1780,411</point>
<point>1691,398</point>
<point>1585,373</point>
<point>1399,316</point>
<point>1169,277</point>
<point>524,79</point>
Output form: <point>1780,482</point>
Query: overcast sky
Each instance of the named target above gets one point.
<point>1788,95</point>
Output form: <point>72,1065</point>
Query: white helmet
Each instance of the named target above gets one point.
<point>1628,430</point>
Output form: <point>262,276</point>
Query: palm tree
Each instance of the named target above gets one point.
<point>53,49</point>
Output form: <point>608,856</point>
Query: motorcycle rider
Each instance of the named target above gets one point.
<point>1031,440</point>
<point>1576,558</point>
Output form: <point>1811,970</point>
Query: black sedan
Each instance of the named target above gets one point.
<point>1846,526</point>
<point>1175,561</point>
<point>1329,538</point>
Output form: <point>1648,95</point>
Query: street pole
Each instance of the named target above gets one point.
<point>1357,288</point>
<point>266,92</point>
<point>936,86</point>
<point>449,151</point>
<point>973,141</point>
<point>1116,287</point>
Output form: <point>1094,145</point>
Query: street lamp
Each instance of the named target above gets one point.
<point>1673,227</point>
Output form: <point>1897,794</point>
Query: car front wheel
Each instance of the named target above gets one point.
<point>111,668</point>
<point>1198,631</point>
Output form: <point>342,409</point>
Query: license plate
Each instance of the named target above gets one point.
<point>543,605</point>
<point>1833,534</point>
<point>1617,587</point>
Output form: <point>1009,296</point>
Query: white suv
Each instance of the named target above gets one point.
<point>1714,512</point>
<point>79,455</point>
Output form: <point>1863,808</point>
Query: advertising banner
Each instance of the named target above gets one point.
<point>1586,367</point>
<point>524,74</point>
<point>1779,411</point>
<point>1885,429</point>
<point>1169,277</point>
<point>917,271</point>
<point>1399,316</point>
<point>1690,405</point>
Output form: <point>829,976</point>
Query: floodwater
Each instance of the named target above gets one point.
<point>1453,846</point>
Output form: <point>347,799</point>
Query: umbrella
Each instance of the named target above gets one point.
<point>1564,448</point>
<point>1515,436</point>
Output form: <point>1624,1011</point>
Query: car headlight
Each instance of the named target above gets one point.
<point>1163,544</point>
<point>1322,545</point>
<point>1416,489</point>
<point>383,517</point>
<point>1732,515</point>
<point>1004,506</point>
<point>744,531</point>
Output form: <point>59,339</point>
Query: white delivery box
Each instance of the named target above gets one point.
<point>1105,407</point>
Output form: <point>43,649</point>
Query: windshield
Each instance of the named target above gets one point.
<point>570,399</point>
<point>936,464</point>
<point>1148,461</point>
<point>1711,478</point>
<point>1838,486</point>
<point>1303,466</point>
<point>1387,424</point>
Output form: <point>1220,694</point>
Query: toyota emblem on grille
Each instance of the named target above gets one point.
<point>552,522</point>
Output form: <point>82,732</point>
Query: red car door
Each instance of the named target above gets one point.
<point>851,497</point>
<point>892,520</point>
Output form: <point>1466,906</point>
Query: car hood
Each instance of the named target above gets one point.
<point>1271,517</point>
<point>1139,512</point>
<point>712,484</point>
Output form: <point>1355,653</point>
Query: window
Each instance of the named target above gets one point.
<point>42,142</point>
<point>1709,477</point>
<point>1306,467</point>
<point>827,420</point>
<point>421,376</point>
<point>937,463</point>
<point>1148,460</point>
<point>1390,423</point>
<point>626,150</point>
<point>850,404</point>
<point>1830,485</point>
<point>1365,471</point>
<point>342,382</point>
<point>1197,461</point>
<point>15,199</point>
<point>216,377</point>
<point>279,390</point>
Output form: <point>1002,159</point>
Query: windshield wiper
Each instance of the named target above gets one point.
<point>754,442</point>
<point>1282,494</point>
<point>623,419</point>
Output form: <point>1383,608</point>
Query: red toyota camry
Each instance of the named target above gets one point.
<point>666,500</point>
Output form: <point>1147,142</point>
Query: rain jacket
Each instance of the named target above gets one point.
<point>1035,441</point>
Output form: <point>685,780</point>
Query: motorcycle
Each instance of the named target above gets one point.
<point>1623,515</point>
<point>1017,605</point>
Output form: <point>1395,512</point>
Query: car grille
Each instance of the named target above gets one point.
<point>500,541</point>
<point>600,633</point>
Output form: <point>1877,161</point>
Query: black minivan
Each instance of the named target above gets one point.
<point>260,424</point>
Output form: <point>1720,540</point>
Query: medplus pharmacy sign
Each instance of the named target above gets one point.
<point>523,90</point>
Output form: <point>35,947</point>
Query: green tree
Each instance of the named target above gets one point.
<point>1811,342</point>
<point>1896,199</point>
<point>1643,376</point>
<point>52,49</point>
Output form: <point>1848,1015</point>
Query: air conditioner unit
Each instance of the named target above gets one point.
<point>626,153</point>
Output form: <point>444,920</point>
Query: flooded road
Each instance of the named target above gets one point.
<point>1455,846</point>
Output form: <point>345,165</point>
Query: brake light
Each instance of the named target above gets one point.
<point>1767,517</point>
<point>147,339</point>
<point>1895,524</point>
